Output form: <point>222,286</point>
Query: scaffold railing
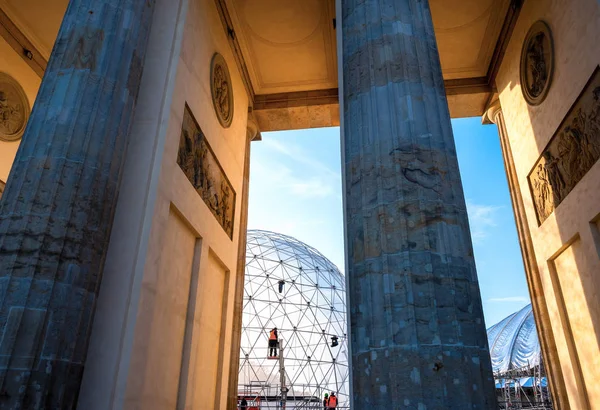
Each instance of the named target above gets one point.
<point>523,388</point>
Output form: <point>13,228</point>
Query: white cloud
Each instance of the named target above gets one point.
<point>279,177</point>
<point>510,299</point>
<point>295,190</point>
<point>301,156</point>
<point>289,226</point>
<point>313,188</point>
<point>316,180</point>
<point>482,219</point>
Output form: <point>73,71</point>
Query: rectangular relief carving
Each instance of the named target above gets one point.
<point>200,165</point>
<point>571,152</point>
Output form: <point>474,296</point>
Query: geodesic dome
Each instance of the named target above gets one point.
<point>291,286</point>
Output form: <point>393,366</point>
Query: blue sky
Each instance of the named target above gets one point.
<point>296,189</point>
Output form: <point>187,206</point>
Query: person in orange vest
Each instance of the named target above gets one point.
<point>273,342</point>
<point>326,401</point>
<point>332,402</point>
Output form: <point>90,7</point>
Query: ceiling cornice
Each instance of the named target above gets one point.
<point>508,27</point>
<point>21,44</point>
<point>296,99</point>
<point>235,47</point>
<point>467,86</point>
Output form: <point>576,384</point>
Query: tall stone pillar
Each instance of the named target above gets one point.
<point>418,338</point>
<point>57,210</point>
<point>252,134</point>
<point>495,115</point>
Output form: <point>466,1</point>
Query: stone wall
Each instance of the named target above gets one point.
<point>164,318</point>
<point>566,244</point>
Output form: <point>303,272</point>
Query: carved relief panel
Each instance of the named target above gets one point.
<point>14,109</point>
<point>222,93</point>
<point>537,63</point>
<point>572,151</point>
<point>200,165</point>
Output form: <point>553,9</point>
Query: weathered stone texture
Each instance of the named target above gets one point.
<point>418,336</point>
<point>56,214</point>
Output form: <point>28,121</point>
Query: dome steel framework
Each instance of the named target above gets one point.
<point>291,286</point>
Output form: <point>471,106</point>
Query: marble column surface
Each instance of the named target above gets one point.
<point>58,206</point>
<point>418,338</point>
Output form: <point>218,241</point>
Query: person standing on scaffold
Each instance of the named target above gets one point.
<point>273,342</point>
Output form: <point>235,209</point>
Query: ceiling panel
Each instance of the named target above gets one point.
<point>467,32</point>
<point>288,45</point>
<point>39,20</point>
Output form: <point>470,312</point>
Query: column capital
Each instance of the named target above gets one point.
<point>252,129</point>
<point>491,113</point>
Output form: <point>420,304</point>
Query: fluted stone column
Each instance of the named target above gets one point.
<point>252,134</point>
<point>418,335</point>
<point>57,210</point>
<point>495,115</point>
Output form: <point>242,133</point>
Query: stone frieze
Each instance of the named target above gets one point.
<point>572,151</point>
<point>200,165</point>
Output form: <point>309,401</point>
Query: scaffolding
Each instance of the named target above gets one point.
<point>265,396</point>
<point>292,287</point>
<point>524,388</point>
<point>517,362</point>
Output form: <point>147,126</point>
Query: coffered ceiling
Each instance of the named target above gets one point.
<point>290,45</point>
<point>287,51</point>
<point>467,33</point>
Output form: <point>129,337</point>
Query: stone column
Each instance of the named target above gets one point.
<point>495,115</point>
<point>252,133</point>
<point>418,338</point>
<point>57,210</point>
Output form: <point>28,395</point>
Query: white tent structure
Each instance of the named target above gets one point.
<point>517,362</point>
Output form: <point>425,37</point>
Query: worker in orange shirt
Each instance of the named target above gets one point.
<point>273,338</point>
<point>332,402</point>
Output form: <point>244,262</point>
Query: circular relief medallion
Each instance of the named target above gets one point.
<point>222,93</point>
<point>537,63</point>
<point>14,109</point>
